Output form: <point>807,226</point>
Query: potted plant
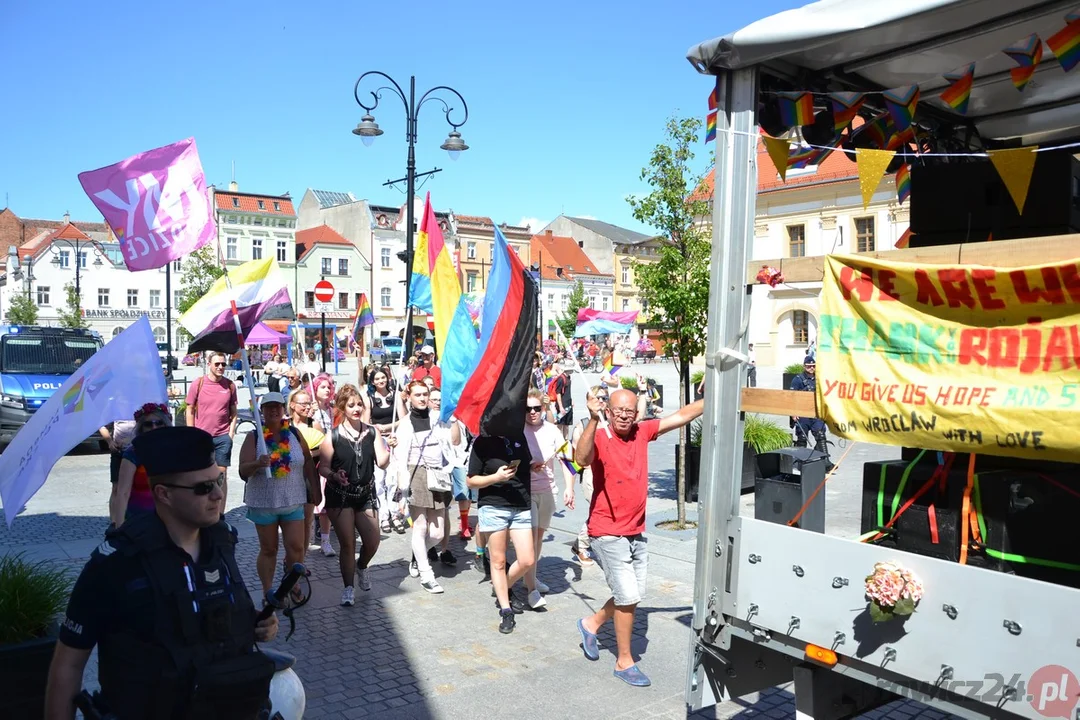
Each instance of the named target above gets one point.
<point>760,436</point>
<point>32,597</point>
<point>180,416</point>
<point>790,372</point>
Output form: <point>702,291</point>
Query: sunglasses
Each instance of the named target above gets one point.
<point>151,424</point>
<point>203,488</point>
<point>534,408</point>
<point>219,364</point>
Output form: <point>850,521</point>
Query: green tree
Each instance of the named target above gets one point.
<point>198,273</point>
<point>72,316</point>
<point>676,285</point>
<point>576,300</point>
<point>21,310</point>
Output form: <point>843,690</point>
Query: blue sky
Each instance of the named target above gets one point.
<point>566,99</point>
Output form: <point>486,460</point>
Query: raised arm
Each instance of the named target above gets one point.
<point>684,416</point>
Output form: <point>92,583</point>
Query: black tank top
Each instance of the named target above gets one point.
<point>356,459</point>
<point>380,414</point>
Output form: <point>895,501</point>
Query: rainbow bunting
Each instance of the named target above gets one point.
<point>1027,54</point>
<point>904,240</point>
<point>712,100</point>
<point>1066,44</point>
<point>845,106</point>
<point>800,157</point>
<point>958,94</point>
<point>903,183</point>
<point>710,127</point>
<point>901,103</point>
<point>796,108</point>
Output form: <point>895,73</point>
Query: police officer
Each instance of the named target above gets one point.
<point>163,600</point>
<point>807,381</point>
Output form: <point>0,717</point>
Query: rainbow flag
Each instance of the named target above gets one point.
<point>958,94</point>
<point>901,103</point>
<point>800,157</point>
<point>73,398</point>
<point>610,366</point>
<point>566,455</point>
<point>712,99</point>
<point>1027,54</point>
<point>845,106</point>
<point>904,240</point>
<point>1066,45</point>
<point>796,108</point>
<point>363,317</point>
<point>710,127</point>
<point>903,183</point>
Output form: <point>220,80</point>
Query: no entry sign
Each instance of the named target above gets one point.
<point>324,291</point>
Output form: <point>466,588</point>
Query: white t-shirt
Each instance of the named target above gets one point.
<point>544,442</point>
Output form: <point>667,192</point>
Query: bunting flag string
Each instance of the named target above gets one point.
<point>845,106</point>
<point>872,166</point>
<point>796,108</point>
<point>710,127</point>
<point>778,151</point>
<point>1027,54</point>
<point>901,104</point>
<point>1015,166</point>
<point>903,183</point>
<point>958,94</point>
<point>1066,43</point>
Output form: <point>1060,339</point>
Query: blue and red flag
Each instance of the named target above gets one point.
<point>494,397</point>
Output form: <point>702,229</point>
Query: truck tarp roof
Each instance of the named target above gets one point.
<point>866,46</point>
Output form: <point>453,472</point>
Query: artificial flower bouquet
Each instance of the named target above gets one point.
<point>892,591</point>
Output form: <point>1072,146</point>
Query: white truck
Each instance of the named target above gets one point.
<point>773,603</point>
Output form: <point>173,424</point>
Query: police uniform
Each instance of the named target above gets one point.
<point>806,382</point>
<point>175,637</point>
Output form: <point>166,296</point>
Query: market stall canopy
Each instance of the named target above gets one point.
<point>263,334</point>
<point>862,46</point>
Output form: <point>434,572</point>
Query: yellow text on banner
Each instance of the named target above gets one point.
<point>960,358</point>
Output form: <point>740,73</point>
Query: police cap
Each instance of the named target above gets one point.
<point>171,450</point>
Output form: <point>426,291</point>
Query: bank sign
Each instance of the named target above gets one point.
<point>122,314</point>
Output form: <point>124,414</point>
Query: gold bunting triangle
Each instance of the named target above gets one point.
<point>778,152</point>
<point>872,165</point>
<point>1015,167</point>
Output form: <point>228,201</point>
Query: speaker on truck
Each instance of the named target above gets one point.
<point>962,202</point>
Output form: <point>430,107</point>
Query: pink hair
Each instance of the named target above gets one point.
<point>319,382</point>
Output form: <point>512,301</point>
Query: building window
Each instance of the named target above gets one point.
<point>82,259</point>
<point>470,250</point>
<point>176,266</point>
<point>309,299</point>
<point>563,302</point>
<point>551,301</point>
<point>42,294</point>
<point>864,234</point>
<point>384,297</point>
<point>343,266</point>
<point>262,205</point>
<point>796,240</point>
<point>257,221</point>
<point>645,306</point>
<point>133,298</point>
<point>236,202</point>
<point>604,306</point>
<point>470,281</point>
<point>177,296</point>
<point>282,250</point>
<point>159,334</point>
<point>384,257</point>
<point>327,266</point>
<point>625,304</point>
<point>592,302</point>
<point>103,297</point>
<point>277,206</point>
<point>625,274</point>
<point>65,259</point>
<point>800,327</point>
<point>155,298</point>
<point>343,301</point>
<point>230,248</point>
<point>256,248</point>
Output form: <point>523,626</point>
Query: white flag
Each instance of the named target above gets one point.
<point>115,382</point>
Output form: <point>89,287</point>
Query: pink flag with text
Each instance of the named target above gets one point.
<point>156,203</point>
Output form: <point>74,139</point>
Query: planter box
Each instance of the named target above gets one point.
<point>693,469</point>
<point>24,672</point>
<point>180,418</point>
<point>788,377</point>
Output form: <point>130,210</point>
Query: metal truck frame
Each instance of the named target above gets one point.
<point>766,594</point>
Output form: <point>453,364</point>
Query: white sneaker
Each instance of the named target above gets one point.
<point>542,587</point>
<point>536,600</point>
<point>347,597</point>
<point>414,571</point>
<point>327,548</point>
<point>432,586</point>
<point>364,579</point>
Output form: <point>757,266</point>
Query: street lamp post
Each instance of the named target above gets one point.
<point>367,129</point>
<point>77,247</point>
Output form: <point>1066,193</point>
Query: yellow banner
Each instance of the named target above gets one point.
<point>963,359</point>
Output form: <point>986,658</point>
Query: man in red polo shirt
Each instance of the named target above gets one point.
<point>619,457</point>
<point>427,357</point>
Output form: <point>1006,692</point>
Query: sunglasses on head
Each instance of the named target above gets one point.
<point>204,488</point>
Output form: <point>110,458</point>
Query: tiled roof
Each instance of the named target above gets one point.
<point>68,232</point>
<point>17,231</point>
<point>475,220</point>
<point>247,202</point>
<point>306,240</point>
<point>329,199</point>
<point>561,252</point>
<point>614,233</point>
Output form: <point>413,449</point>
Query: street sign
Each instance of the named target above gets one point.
<point>324,291</point>
<point>322,307</point>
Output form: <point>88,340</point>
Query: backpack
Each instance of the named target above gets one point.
<point>554,388</point>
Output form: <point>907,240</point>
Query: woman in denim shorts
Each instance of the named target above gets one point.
<point>500,468</point>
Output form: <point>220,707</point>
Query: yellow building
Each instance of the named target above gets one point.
<point>475,239</point>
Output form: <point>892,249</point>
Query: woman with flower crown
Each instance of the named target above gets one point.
<point>131,494</point>
<point>278,501</point>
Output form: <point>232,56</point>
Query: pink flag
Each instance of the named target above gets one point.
<point>156,204</point>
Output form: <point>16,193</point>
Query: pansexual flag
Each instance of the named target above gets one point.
<point>845,106</point>
<point>710,127</point>
<point>901,103</point>
<point>903,183</point>
<point>259,292</point>
<point>958,94</point>
<point>1066,44</point>
<point>1027,54</point>
<point>796,108</point>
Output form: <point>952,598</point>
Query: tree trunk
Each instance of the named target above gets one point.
<point>684,438</point>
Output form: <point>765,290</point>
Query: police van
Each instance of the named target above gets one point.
<point>34,362</point>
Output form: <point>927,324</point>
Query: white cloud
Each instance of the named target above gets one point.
<point>535,225</point>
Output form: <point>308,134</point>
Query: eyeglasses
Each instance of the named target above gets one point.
<point>435,400</point>
<point>218,364</point>
<point>203,488</point>
<point>619,412</point>
<point>534,408</point>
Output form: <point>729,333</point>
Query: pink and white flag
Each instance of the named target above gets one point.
<point>156,204</point>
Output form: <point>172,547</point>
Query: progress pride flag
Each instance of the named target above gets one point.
<point>156,204</point>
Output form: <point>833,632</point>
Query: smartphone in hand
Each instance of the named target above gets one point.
<point>513,464</point>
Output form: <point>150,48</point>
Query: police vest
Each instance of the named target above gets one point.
<point>201,662</point>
